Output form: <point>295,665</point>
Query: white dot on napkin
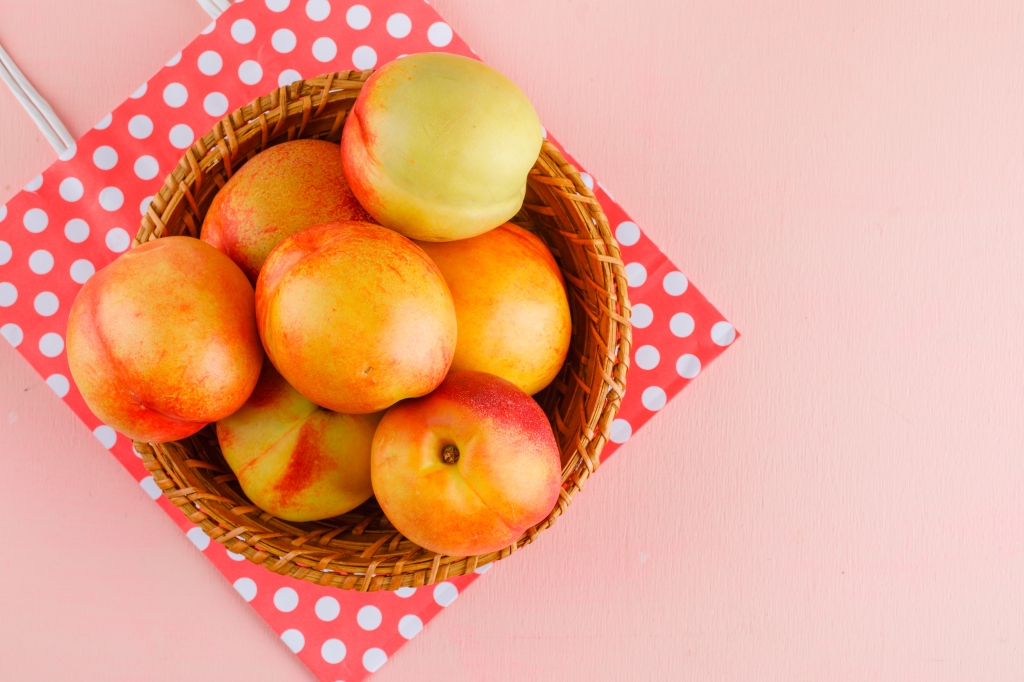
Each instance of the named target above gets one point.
<point>445,594</point>
<point>82,270</point>
<point>294,640</point>
<point>675,284</point>
<point>181,136</point>
<point>653,398</point>
<point>146,167</point>
<point>409,626</point>
<point>642,316</point>
<point>175,95</point>
<point>358,17</point>
<point>210,63</point>
<point>246,587</point>
<point>333,651</point>
<point>647,357</point>
<point>723,333</point>
<point>369,617</point>
<point>621,431</point>
<point>35,220</point>
<point>688,366</point>
<point>71,189</point>
<point>12,333</point>
<point>8,294</point>
<point>243,31</point>
<point>283,40</point>
<point>324,49</point>
<point>117,240</point>
<point>76,230</point>
<point>40,262</point>
<point>51,345</point>
<point>627,233</point>
<point>140,126</point>
<point>374,658</point>
<point>287,77</point>
<point>104,434</point>
<point>439,34</point>
<point>59,383</point>
<point>318,10</point>
<point>215,104</point>
<point>151,488</point>
<point>200,539</point>
<point>681,325</point>
<point>327,608</point>
<point>636,274</point>
<point>250,72</point>
<point>399,25</point>
<point>286,599</point>
<point>364,57</point>
<point>111,198</point>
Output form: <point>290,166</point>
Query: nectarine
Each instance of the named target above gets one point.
<point>467,469</point>
<point>280,191</point>
<point>355,316</point>
<point>296,460</point>
<point>163,340</point>
<point>510,303</point>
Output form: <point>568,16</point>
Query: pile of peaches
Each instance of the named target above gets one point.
<point>357,319</point>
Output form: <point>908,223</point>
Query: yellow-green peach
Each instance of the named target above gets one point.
<point>438,146</point>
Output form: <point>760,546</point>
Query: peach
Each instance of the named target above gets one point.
<point>294,459</point>
<point>163,340</point>
<point>355,316</point>
<point>467,469</point>
<point>281,191</point>
<point>438,146</point>
<point>510,303</point>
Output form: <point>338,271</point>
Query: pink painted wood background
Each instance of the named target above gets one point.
<point>842,499</point>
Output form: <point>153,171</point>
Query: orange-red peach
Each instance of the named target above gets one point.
<point>163,340</point>
<point>280,191</point>
<point>355,316</point>
<point>438,146</point>
<point>467,469</point>
<point>510,302</point>
<point>294,459</point>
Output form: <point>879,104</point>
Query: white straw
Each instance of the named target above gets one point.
<point>215,7</point>
<point>51,127</point>
<point>49,124</point>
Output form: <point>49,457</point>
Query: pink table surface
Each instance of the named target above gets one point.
<point>841,499</point>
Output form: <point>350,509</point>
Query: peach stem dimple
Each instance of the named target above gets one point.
<point>449,454</point>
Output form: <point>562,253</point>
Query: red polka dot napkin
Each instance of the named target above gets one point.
<point>82,212</point>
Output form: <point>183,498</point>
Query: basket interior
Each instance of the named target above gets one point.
<point>361,549</point>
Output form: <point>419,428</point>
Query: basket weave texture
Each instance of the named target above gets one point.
<point>361,550</point>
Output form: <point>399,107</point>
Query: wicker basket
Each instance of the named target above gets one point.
<point>361,550</point>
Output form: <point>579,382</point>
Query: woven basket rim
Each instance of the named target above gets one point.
<point>360,550</point>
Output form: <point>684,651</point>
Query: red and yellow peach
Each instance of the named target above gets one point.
<point>163,340</point>
<point>467,469</point>
<point>280,191</point>
<point>355,316</point>
<point>294,459</point>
